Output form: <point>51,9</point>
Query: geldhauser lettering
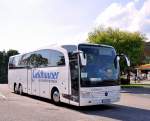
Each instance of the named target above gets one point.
<point>44,75</point>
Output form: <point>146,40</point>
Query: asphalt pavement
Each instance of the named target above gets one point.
<point>132,107</point>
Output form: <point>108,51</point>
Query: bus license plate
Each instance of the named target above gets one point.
<point>105,101</point>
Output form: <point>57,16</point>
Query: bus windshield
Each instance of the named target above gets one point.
<point>100,69</point>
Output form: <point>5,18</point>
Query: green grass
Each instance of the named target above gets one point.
<point>135,86</point>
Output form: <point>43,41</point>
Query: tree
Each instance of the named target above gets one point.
<point>129,43</point>
<point>4,58</point>
<point>12,52</point>
<point>2,66</point>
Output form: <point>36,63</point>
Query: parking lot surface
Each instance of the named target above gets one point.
<point>134,106</point>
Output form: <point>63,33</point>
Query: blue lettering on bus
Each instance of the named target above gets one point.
<point>40,74</point>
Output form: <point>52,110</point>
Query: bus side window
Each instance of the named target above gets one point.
<point>35,60</point>
<point>50,58</point>
<point>11,65</point>
<point>14,62</point>
<point>42,58</point>
<point>58,58</point>
<point>24,60</point>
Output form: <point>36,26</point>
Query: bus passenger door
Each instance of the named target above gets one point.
<point>29,81</point>
<point>74,70</point>
<point>44,84</point>
<point>33,82</point>
<point>33,75</point>
<point>23,78</point>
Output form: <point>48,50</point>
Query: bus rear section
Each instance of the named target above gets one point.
<point>42,73</point>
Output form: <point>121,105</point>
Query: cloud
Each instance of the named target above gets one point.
<point>127,17</point>
<point>27,25</point>
<point>136,0</point>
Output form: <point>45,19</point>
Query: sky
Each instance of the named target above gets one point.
<point>29,24</point>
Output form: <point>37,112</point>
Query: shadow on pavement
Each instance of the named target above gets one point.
<point>113,111</point>
<point>136,90</point>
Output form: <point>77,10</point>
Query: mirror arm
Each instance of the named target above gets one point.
<point>127,60</point>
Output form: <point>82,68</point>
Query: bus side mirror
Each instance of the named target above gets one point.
<point>126,58</point>
<point>116,61</point>
<point>83,58</point>
<point>28,67</point>
<point>128,61</point>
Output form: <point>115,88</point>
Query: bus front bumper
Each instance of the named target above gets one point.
<point>99,95</point>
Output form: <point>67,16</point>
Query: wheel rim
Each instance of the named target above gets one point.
<point>16,89</point>
<point>20,90</point>
<point>56,96</point>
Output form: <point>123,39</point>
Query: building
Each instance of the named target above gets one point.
<point>147,53</point>
<point>145,69</point>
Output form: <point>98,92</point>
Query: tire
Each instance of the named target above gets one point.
<point>55,96</point>
<point>16,89</point>
<point>20,90</point>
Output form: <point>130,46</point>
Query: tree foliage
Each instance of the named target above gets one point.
<point>129,43</point>
<point>4,58</point>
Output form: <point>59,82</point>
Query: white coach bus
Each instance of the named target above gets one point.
<point>81,75</point>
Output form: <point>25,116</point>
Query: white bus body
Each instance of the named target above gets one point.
<point>56,73</point>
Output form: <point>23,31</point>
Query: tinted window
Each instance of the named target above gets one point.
<point>100,68</point>
<point>24,60</point>
<point>57,58</point>
<point>36,59</point>
<point>70,48</point>
<point>14,62</point>
<point>44,58</point>
<point>54,58</point>
<point>11,65</point>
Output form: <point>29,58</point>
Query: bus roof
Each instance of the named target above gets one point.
<point>103,45</point>
<point>60,47</point>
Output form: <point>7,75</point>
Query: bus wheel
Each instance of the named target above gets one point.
<point>56,96</point>
<point>15,88</point>
<point>20,90</point>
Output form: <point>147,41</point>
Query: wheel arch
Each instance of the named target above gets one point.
<point>15,85</point>
<point>54,89</point>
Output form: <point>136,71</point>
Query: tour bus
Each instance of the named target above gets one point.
<point>81,75</point>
